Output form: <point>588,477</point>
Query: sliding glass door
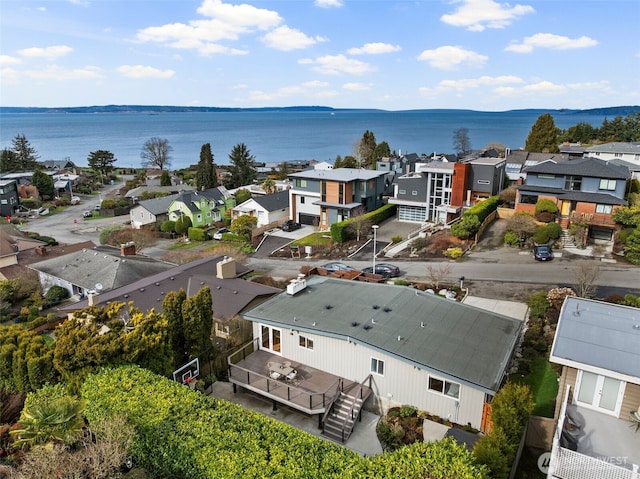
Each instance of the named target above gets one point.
<point>270,339</point>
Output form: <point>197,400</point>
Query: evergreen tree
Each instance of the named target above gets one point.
<point>44,184</point>
<point>337,163</point>
<point>365,150</point>
<point>543,137</point>
<point>197,317</point>
<point>101,160</point>
<point>165,178</point>
<point>172,312</point>
<point>382,150</point>
<point>27,157</point>
<point>349,162</point>
<point>283,171</point>
<point>206,176</point>
<point>8,160</point>
<point>242,170</point>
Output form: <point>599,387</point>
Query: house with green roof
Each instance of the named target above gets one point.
<point>393,344</point>
<point>202,207</point>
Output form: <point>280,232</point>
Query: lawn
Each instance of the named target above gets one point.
<point>318,239</point>
<point>543,382</point>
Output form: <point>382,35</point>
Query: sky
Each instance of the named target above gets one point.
<point>393,55</point>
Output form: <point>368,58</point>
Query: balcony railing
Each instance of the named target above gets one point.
<point>598,219</point>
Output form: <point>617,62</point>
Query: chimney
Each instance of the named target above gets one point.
<point>128,249</point>
<point>226,268</point>
<point>91,298</point>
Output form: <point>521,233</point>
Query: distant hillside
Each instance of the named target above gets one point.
<point>608,111</point>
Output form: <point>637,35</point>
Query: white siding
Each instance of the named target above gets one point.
<point>401,383</point>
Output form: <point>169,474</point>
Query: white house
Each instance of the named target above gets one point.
<point>268,208</point>
<point>598,346</point>
<point>402,345</point>
<point>149,212</point>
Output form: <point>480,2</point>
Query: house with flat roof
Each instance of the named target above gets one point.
<point>9,198</point>
<point>325,197</point>
<point>398,344</point>
<point>598,346</point>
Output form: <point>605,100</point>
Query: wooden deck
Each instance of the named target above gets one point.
<point>312,391</point>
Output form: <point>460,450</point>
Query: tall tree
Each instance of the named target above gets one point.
<point>44,184</point>
<point>283,171</point>
<point>349,161</point>
<point>461,142</point>
<point>165,178</point>
<point>101,160</point>
<point>337,163</point>
<point>8,160</point>
<point>197,317</point>
<point>543,137</point>
<point>269,186</point>
<point>382,150</point>
<point>27,155</point>
<point>172,312</point>
<point>206,176</point>
<point>156,153</point>
<point>365,150</point>
<point>242,169</point>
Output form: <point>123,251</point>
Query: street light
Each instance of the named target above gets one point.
<point>375,229</point>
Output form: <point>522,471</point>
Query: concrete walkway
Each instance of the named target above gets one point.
<point>363,440</point>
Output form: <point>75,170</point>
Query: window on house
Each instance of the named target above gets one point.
<point>573,183</point>
<point>209,214</point>
<point>604,209</point>
<point>547,177</point>
<point>142,214</point>
<point>528,199</point>
<point>306,343</point>
<point>302,200</point>
<point>414,193</point>
<point>446,388</point>
<point>341,193</point>
<point>199,217</point>
<point>270,338</point>
<point>484,182</point>
<point>402,192</point>
<point>609,185</point>
<point>301,183</point>
<point>377,366</point>
<point>4,202</point>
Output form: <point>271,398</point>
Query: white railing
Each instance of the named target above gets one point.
<point>568,464</point>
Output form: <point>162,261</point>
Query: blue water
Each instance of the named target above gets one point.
<point>271,136</point>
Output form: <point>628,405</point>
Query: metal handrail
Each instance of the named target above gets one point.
<point>353,403</point>
<point>339,388</point>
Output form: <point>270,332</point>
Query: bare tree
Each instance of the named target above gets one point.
<point>156,153</point>
<point>461,142</point>
<point>358,222</point>
<point>586,275</point>
<point>437,274</point>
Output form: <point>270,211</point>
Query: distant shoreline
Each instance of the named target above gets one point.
<point>613,111</point>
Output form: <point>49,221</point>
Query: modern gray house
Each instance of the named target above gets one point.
<point>325,197</point>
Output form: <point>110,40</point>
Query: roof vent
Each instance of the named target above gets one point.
<point>422,324</point>
<point>386,309</point>
<point>399,338</point>
<point>366,327</point>
<point>328,306</point>
<point>373,321</point>
<point>142,290</point>
<point>157,284</point>
<point>201,283</point>
<point>172,278</point>
<point>355,323</point>
<point>126,296</point>
<point>218,287</point>
<point>235,292</point>
<point>375,306</point>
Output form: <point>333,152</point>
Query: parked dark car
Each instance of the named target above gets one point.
<point>542,252</point>
<point>385,270</point>
<point>290,225</point>
<point>334,266</point>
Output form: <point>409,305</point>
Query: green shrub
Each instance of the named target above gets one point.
<point>31,203</point>
<point>554,230</point>
<point>511,239</point>
<point>624,234</point>
<point>453,253</point>
<point>183,223</point>
<point>407,411</point>
<point>538,305</point>
<point>484,208</point>
<point>56,294</point>
<point>396,239</point>
<point>182,433</point>
<point>495,452</point>
<point>541,236</point>
<point>168,226</point>
<point>197,234</point>
<point>49,240</point>
<point>105,232</point>
<point>546,206</point>
<point>401,282</point>
<point>466,227</point>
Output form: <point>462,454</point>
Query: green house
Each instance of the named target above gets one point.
<point>202,207</point>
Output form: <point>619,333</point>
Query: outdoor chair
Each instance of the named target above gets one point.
<point>635,419</point>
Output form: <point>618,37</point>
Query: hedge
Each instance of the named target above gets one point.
<point>197,234</point>
<point>340,232</point>
<point>182,433</point>
<point>480,210</point>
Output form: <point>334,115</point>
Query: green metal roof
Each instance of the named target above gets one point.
<point>461,342</point>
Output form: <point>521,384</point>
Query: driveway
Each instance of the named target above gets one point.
<point>276,239</point>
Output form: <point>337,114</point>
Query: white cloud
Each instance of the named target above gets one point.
<point>142,71</point>
<point>311,89</point>
<point>55,72</point>
<point>338,64</point>
<point>549,40</point>
<point>328,3</point>
<point>54,51</point>
<point>541,88</point>
<point>357,86</point>
<point>9,60</point>
<point>476,15</point>
<point>8,75</point>
<point>450,58</point>
<point>460,86</point>
<point>225,22</point>
<point>287,39</point>
<point>374,49</point>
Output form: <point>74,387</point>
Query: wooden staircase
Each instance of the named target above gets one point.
<point>345,409</point>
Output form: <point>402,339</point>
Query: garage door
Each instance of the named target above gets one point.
<point>411,213</point>
<point>308,219</point>
<point>598,233</point>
